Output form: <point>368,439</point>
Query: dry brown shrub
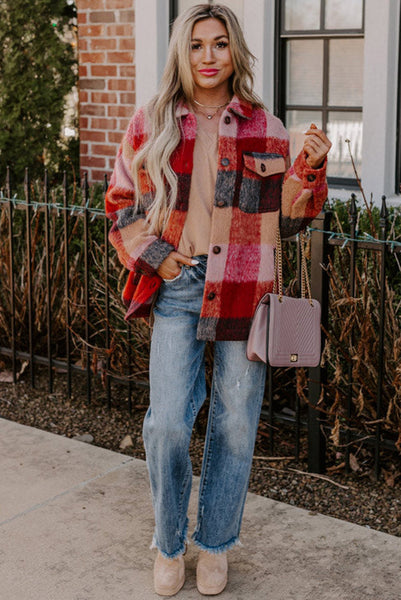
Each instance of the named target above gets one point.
<point>352,335</point>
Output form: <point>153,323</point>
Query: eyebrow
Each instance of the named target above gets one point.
<point>215,39</point>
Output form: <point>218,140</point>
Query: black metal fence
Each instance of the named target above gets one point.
<point>40,280</point>
<point>60,309</point>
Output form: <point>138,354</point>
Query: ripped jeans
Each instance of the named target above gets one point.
<point>177,392</point>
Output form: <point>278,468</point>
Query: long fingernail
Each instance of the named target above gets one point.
<point>194,262</point>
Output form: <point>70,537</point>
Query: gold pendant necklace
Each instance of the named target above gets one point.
<point>208,115</point>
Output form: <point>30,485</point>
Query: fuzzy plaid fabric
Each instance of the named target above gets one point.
<point>254,181</point>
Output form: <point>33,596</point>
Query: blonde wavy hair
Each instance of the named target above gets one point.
<point>177,85</point>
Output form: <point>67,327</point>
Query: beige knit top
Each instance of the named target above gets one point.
<point>196,233</point>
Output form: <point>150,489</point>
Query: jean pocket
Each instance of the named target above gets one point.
<point>168,281</point>
<point>262,179</point>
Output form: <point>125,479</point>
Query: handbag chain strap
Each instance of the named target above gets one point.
<point>278,269</point>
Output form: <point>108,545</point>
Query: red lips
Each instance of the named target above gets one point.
<point>209,72</point>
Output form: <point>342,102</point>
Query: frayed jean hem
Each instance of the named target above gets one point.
<point>217,549</point>
<point>174,555</point>
<point>181,549</point>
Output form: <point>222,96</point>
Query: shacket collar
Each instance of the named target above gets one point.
<point>242,108</point>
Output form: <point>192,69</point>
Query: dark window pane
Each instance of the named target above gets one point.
<point>297,122</point>
<point>344,126</point>
<point>302,14</point>
<point>341,14</point>
<point>304,71</point>
<point>235,5</point>
<point>346,72</point>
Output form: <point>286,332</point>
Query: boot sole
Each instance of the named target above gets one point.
<point>211,591</point>
<point>160,591</point>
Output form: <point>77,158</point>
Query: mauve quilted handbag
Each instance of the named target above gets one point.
<point>285,331</point>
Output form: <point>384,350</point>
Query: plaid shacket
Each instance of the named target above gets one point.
<point>256,188</point>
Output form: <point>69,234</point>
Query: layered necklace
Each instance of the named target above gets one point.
<point>216,109</point>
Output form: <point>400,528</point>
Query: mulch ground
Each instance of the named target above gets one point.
<point>356,497</point>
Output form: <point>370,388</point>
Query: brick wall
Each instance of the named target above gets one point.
<point>106,80</point>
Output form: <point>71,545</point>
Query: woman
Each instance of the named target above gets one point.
<point>196,197</point>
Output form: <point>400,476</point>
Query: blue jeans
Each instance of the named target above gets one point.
<point>177,392</point>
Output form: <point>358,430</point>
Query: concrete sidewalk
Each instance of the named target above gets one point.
<point>76,523</point>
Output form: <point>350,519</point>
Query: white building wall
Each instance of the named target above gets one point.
<point>151,23</point>
<point>258,20</point>
<point>258,23</point>
<point>380,97</point>
<point>151,42</point>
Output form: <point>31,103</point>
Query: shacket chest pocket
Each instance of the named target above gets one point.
<point>262,178</point>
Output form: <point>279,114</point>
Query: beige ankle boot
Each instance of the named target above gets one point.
<point>168,575</point>
<point>211,573</point>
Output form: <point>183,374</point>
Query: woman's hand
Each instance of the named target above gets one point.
<point>316,146</point>
<point>170,267</point>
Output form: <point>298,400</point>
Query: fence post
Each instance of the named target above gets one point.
<point>87,284</point>
<point>11,267</point>
<point>48,281</point>
<point>67,283</point>
<point>29,270</point>
<point>107,379</point>
<point>352,219</point>
<point>380,367</point>
<point>317,375</point>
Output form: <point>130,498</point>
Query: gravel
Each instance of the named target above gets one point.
<point>356,497</point>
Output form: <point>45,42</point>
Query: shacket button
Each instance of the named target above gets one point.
<point>263,167</point>
<point>216,249</point>
<point>227,120</point>
<point>225,162</point>
<point>221,203</point>
<point>211,295</point>
<point>311,177</point>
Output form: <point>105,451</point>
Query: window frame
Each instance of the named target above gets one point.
<point>280,75</point>
<point>173,11</point>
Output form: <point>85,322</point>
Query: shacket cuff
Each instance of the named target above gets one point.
<point>311,178</point>
<point>151,258</point>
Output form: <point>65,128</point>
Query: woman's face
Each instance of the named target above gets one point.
<point>211,62</point>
